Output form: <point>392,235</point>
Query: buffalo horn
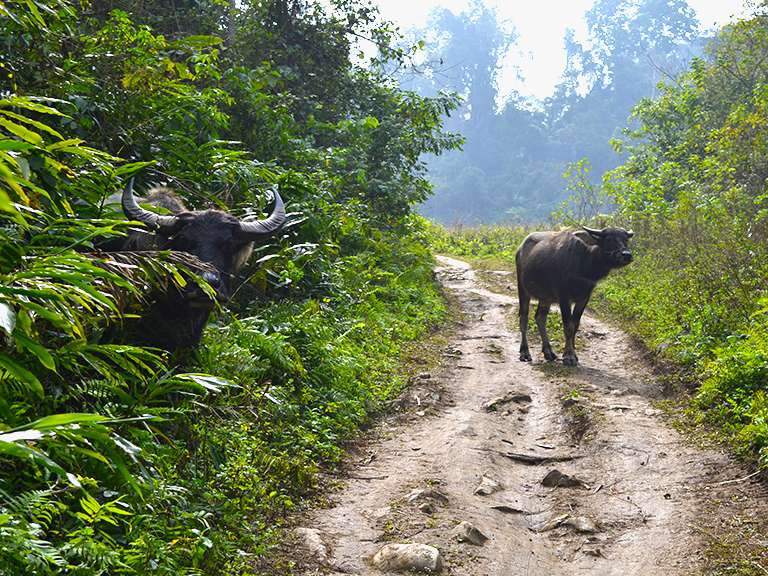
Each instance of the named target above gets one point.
<point>260,228</point>
<point>594,232</point>
<point>630,233</point>
<point>135,212</point>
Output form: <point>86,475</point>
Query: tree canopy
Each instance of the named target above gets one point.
<point>511,165</point>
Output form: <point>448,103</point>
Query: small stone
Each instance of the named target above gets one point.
<point>427,507</point>
<point>428,494</point>
<point>312,541</point>
<point>556,479</point>
<point>466,532</point>
<point>495,403</point>
<point>582,524</point>
<point>487,487</point>
<point>424,376</point>
<point>380,513</point>
<point>550,524</point>
<point>404,557</point>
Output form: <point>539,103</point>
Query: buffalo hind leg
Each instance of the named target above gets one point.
<point>569,354</point>
<point>524,300</point>
<point>541,321</point>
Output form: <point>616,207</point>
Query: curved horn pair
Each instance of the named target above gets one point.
<point>248,230</point>
<point>600,233</point>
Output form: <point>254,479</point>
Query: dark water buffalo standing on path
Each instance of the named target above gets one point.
<point>219,239</point>
<point>563,268</point>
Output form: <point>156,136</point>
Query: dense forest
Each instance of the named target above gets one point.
<point>516,151</point>
<point>117,458</point>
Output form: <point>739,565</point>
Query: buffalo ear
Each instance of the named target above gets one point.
<point>630,233</point>
<point>597,234</point>
<point>182,220</point>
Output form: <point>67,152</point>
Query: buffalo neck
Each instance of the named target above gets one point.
<point>596,266</point>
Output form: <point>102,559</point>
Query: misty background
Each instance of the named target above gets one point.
<point>535,107</point>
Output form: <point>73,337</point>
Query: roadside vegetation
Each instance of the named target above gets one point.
<point>693,188</point>
<point>116,459</point>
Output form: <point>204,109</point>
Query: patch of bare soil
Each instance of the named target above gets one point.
<point>565,470</point>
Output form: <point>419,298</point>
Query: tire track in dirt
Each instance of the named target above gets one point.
<point>637,512</point>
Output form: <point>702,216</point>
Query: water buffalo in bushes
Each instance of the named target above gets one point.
<point>563,268</point>
<point>220,241</point>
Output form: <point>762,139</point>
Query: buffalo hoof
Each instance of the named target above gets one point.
<point>525,356</point>
<point>570,360</point>
<point>549,356</point>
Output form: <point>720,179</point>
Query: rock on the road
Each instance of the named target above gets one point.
<point>312,541</point>
<point>487,487</point>
<point>512,396</point>
<point>466,532</point>
<point>403,557</point>
<point>428,494</point>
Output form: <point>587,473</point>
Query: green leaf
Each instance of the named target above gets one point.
<point>199,42</point>
<point>64,144</point>
<point>14,445</point>
<point>37,350</point>
<point>35,123</point>
<point>16,145</point>
<point>58,420</point>
<point>210,383</point>
<point>35,13</point>
<point>21,374</point>
<point>132,168</point>
<point>5,202</point>
<point>21,132</point>
<point>128,447</point>
<point>28,104</point>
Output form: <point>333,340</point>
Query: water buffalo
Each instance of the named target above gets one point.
<point>177,317</point>
<point>564,268</point>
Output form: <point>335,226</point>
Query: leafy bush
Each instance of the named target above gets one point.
<point>694,190</point>
<point>734,393</point>
<point>120,459</point>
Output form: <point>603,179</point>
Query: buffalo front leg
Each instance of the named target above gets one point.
<point>524,302</point>
<point>541,321</point>
<point>578,310</point>
<point>569,354</point>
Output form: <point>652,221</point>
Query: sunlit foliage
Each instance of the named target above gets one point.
<point>117,459</point>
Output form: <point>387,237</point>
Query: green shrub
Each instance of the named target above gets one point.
<point>734,390</point>
<point>117,459</point>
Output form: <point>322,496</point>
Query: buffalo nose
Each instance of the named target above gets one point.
<point>627,255</point>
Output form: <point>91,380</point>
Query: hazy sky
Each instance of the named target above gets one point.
<point>540,25</point>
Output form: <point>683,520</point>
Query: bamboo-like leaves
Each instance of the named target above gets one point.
<point>77,433</point>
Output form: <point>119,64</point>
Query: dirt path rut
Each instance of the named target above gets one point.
<point>636,508</point>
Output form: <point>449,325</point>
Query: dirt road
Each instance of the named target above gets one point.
<point>634,498</point>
